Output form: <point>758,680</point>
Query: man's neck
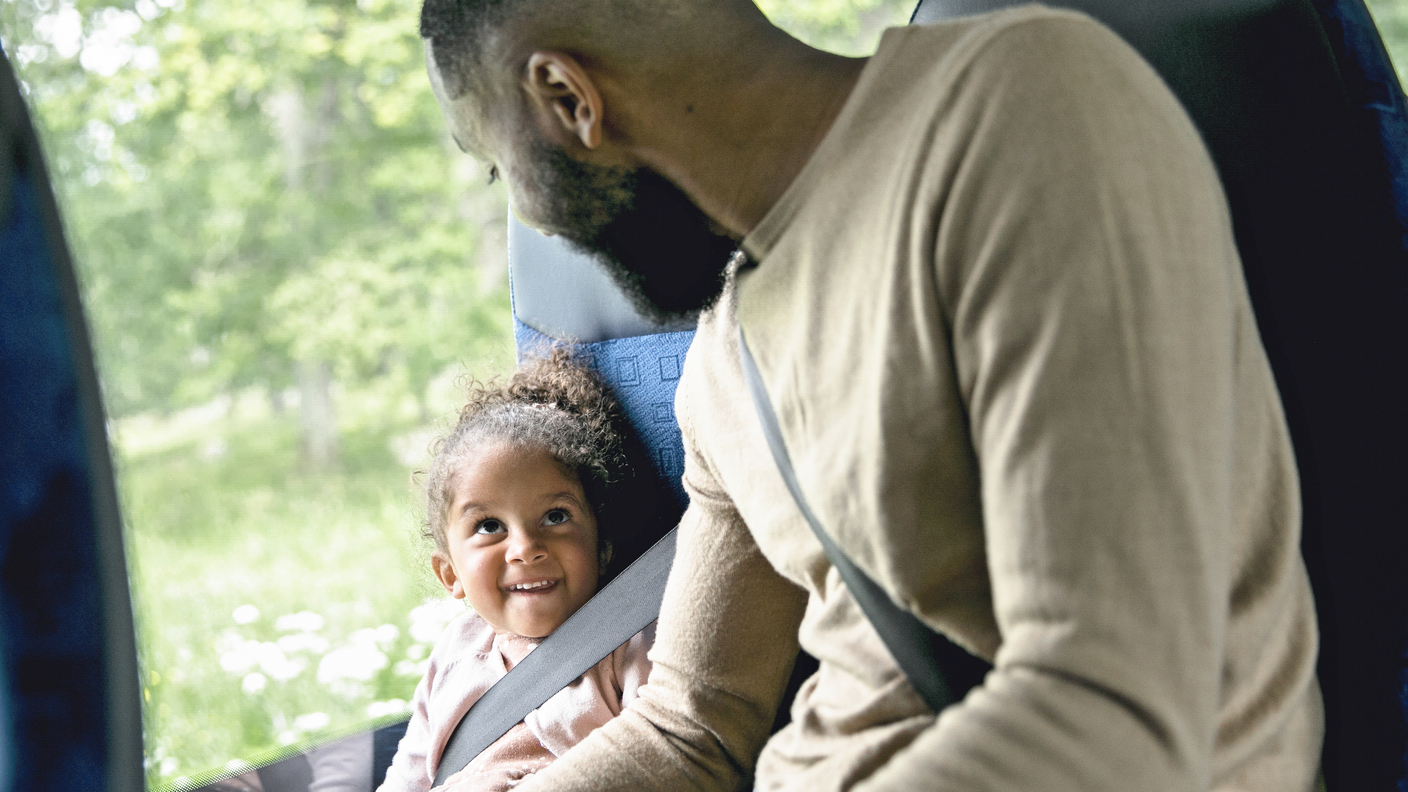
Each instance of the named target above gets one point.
<point>736,132</point>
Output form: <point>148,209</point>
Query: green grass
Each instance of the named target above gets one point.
<point>221,517</point>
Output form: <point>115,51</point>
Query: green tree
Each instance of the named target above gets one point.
<point>259,194</point>
<point>848,27</point>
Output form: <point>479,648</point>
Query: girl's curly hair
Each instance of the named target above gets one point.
<point>557,404</point>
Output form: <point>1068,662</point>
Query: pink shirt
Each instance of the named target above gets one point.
<point>467,660</point>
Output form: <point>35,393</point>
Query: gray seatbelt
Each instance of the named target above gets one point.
<point>938,669</point>
<point>941,671</point>
<point>623,608</point>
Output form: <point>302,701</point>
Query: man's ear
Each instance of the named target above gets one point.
<point>445,573</point>
<point>558,85</point>
<point>604,555</point>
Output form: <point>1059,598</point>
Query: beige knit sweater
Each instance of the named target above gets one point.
<point>1002,321</point>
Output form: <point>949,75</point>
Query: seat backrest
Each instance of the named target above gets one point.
<point>562,296</point>
<point>1299,107</point>
<point>70,715</point>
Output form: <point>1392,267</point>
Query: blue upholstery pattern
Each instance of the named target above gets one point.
<point>642,371</point>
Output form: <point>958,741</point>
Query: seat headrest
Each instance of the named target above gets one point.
<point>566,295</point>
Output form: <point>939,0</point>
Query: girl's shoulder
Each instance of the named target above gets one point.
<point>630,660</point>
<point>465,637</point>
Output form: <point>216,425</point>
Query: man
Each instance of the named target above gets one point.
<point>993,295</point>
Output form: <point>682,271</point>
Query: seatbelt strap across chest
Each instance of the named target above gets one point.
<point>941,671</point>
<point>624,607</point>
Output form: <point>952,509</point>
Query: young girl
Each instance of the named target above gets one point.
<point>527,500</point>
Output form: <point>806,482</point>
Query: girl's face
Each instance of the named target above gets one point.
<point>521,538</point>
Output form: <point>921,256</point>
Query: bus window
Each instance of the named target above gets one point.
<point>1391,17</point>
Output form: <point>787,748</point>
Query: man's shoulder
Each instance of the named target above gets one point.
<point>990,25</point>
<point>709,348</point>
<point>913,58</point>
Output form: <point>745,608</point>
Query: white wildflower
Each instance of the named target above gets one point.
<point>313,721</point>
<point>303,642</point>
<point>378,709</point>
<point>429,620</point>
<point>387,634</point>
<point>253,683</point>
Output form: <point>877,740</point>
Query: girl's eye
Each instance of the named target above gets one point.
<point>557,517</point>
<point>489,527</point>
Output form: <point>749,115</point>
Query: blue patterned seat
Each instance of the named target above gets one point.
<point>562,296</point>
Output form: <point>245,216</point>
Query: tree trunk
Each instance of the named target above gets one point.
<point>317,418</point>
<point>302,140</point>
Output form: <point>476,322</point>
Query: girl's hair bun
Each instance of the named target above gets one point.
<point>554,401</point>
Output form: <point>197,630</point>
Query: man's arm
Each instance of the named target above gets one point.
<point>1118,398</point>
<point>725,644</point>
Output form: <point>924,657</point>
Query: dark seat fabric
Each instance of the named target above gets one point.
<point>1304,118</point>
<point>71,712</point>
<point>642,371</point>
<point>384,743</point>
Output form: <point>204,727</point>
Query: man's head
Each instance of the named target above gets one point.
<point>538,89</point>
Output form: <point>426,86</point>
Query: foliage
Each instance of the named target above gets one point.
<point>249,185</point>
<point>273,606</point>
<point>848,27</point>
<point>1391,17</point>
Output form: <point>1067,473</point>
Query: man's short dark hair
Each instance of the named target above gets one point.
<point>462,36</point>
<point>457,30</point>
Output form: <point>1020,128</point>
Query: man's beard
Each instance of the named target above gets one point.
<point>657,245</point>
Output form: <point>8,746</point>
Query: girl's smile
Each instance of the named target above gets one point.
<point>532,587</point>
<point>521,540</point>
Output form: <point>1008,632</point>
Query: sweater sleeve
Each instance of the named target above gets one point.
<point>461,667</point>
<point>408,768</point>
<point>634,666</point>
<point>724,646</point>
<point>1108,361</point>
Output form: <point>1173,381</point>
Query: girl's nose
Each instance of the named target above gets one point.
<point>525,547</point>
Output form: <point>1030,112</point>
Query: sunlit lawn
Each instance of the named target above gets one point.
<point>273,605</point>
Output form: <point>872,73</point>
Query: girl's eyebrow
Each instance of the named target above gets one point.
<point>471,507</point>
<point>564,495</point>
